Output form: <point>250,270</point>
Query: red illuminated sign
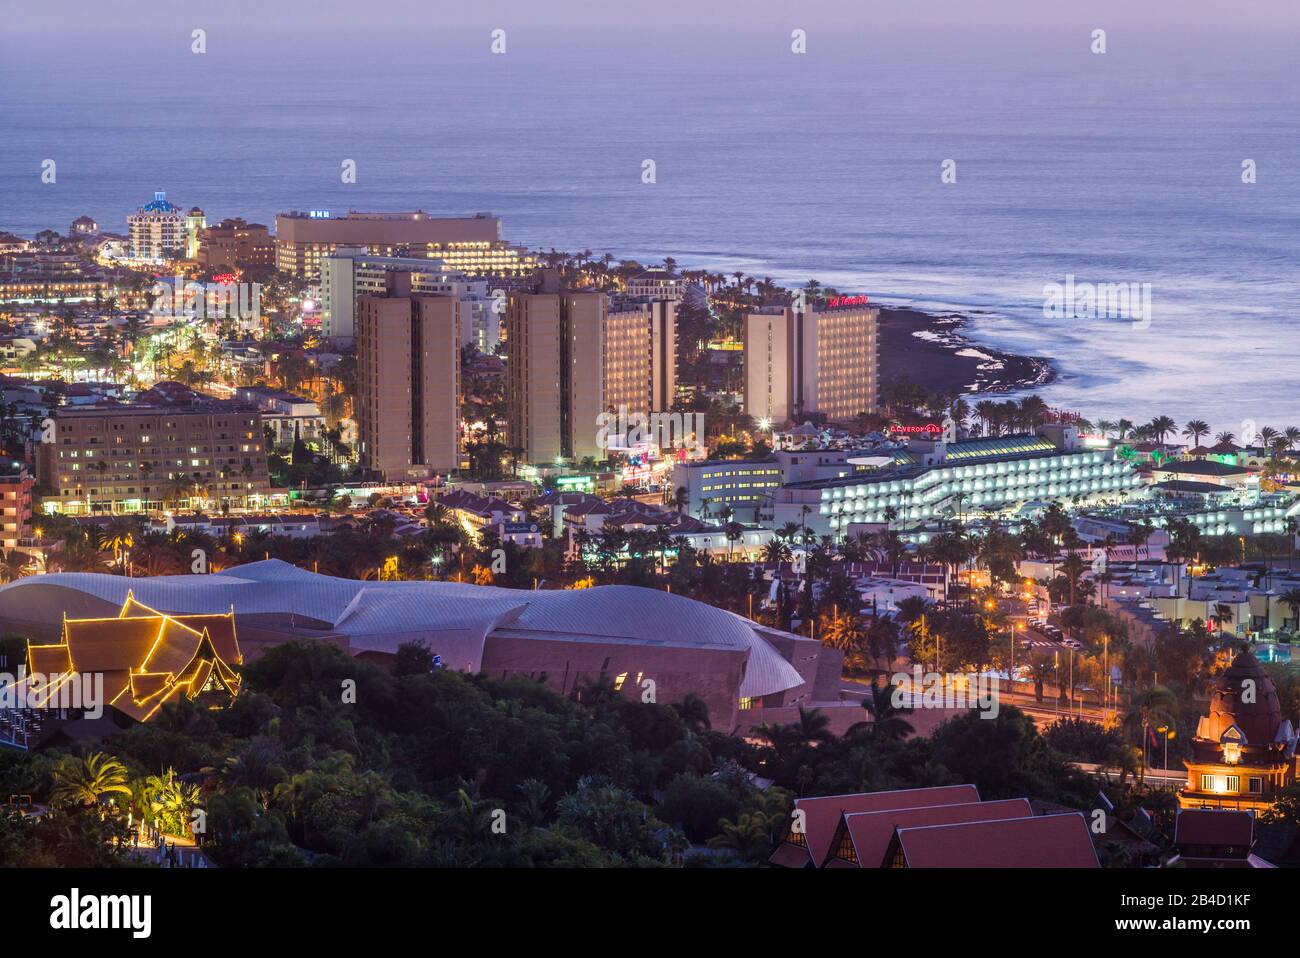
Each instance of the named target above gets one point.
<point>928,427</point>
<point>836,302</point>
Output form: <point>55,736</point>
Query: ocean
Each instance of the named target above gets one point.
<point>1122,167</point>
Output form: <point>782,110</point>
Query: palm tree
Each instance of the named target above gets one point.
<point>170,801</point>
<point>537,796</point>
<point>694,711</point>
<point>1126,760</point>
<point>776,551</point>
<point>13,566</point>
<point>470,817</point>
<point>1162,426</point>
<point>256,768</point>
<point>1291,597</point>
<point>1153,708</point>
<point>1040,669</point>
<point>987,411</point>
<point>1195,429</point>
<point>812,726</point>
<point>1222,613</point>
<point>845,633</point>
<point>777,736</point>
<point>749,836</point>
<point>886,718</point>
<point>882,639</point>
<point>85,781</point>
<point>734,532</point>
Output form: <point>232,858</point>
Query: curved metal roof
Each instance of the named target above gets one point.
<point>379,616</point>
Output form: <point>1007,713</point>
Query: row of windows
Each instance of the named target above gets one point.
<point>1231,784</point>
<point>156,450</point>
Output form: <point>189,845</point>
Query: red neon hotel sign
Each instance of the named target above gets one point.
<point>835,302</point>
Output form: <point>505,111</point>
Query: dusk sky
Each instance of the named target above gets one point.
<point>741,15</point>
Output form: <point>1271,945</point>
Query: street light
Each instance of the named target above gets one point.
<point>1013,657</point>
<point>1166,733</point>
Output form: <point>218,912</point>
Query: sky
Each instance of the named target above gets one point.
<point>88,16</point>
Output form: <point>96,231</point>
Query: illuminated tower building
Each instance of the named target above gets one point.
<point>812,361</point>
<point>408,381</point>
<point>157,231</point>
<point>195,223</point>
<point>1243,752</point>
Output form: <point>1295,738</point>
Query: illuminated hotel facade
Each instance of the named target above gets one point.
<point>824,361</point>
<point>555,372</point>
<point>408,381</point>
<point>234,243</point>
<point>146,456</point>
<point>158,231</point>
<point>572,356</point>
<point>349,274</point>
<point>933,481</point>
<point>640,356</point>
<point>471,245</point>
<point>15,505</point>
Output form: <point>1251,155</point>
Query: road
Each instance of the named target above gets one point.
<point>1171,778</point>
<point>1043,713</point>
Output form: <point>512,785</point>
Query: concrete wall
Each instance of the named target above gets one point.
<point>713,675</point>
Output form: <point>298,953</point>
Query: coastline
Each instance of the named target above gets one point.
<point>933,351</point>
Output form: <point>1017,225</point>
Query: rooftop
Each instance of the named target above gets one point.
<point>1044,841</point>
<point>457,618</point>
<point>1203,467</point>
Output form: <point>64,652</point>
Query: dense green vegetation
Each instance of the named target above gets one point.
<point>445,769</point>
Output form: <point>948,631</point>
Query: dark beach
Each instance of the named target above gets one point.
<point>932,351</point>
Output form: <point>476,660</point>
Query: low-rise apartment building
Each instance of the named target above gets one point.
<point>169,449</point>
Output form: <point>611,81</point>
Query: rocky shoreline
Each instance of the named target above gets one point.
<point>933,351</point>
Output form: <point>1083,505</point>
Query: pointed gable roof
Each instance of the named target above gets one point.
<point>174,648</point>
<point>147,658</point>
<point>48,659</point>
<point>221,630</point>
<point>870,832</point>
<point>1214,827</point>
<point>98,645</point>
<point>1044,841</point>
<point>821,815</point>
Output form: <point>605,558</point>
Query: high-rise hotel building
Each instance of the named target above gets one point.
<point>799,362</point>
<point>640,355</point>
<point>572,356</point>
<point>348,274</point>
<point>472,245</point>
<point>408,381</point>
<point>158,231</point>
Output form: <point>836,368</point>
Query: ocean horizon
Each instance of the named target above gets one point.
<point>1117,168</point>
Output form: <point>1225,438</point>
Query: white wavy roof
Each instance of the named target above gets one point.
<point>456,617</point>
